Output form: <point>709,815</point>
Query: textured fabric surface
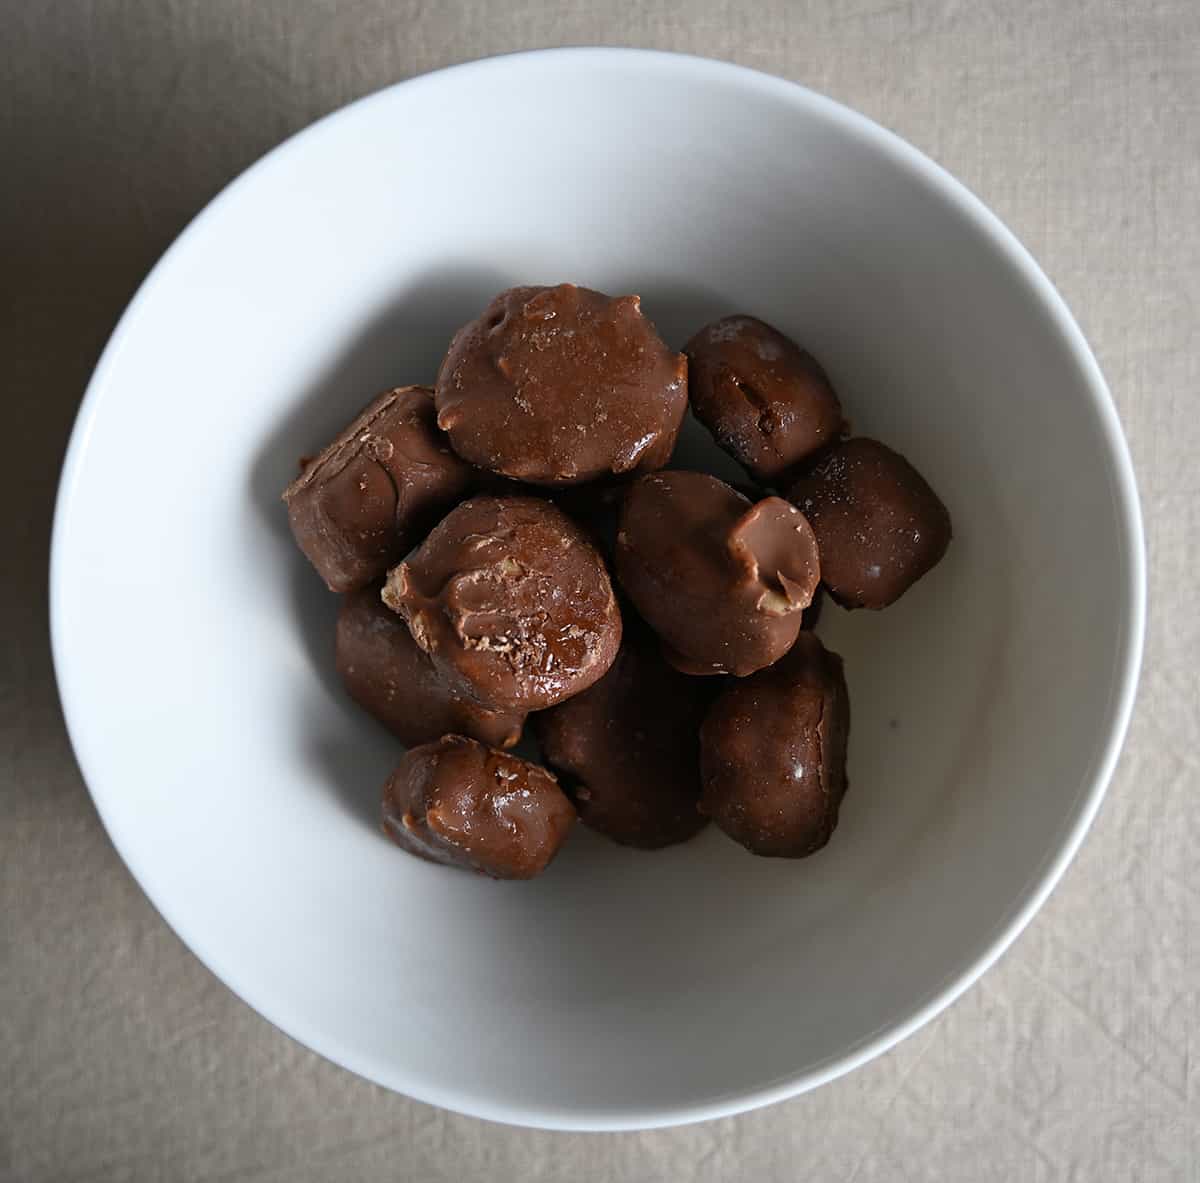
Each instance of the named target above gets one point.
<point>1076,1058</point>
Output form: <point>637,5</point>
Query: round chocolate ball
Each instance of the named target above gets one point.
<point>879,526</point>
<point>628,748</point>
<point>386,673</point>
<point>557,385</point>
<point>723,581</point>
<point>458,802</point>
<point>773,753</point>
<point>511,601</point>
<point>767,402</point>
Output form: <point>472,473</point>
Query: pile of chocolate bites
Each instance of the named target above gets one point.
<point>512,548</point>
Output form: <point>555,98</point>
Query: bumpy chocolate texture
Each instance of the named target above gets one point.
<point>773,753</point>
<point>766,401</point>
<point>463,804</point>
<point>374,492</point>
<point>879,526</point>
<point>561,385</point>
<point>385,672</point>
<point>628,748</point>
<point>722,581</point>
<point>511,601</point>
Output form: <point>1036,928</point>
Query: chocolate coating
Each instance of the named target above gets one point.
<point>371,495</point>
<point>460,803</point>
<point>767,402</point>
<point>511,601</point>
<point>385,672</point>
<point>879,526</point>
<point>561,385</point>
<point>723,582</point>
<point>773,753</point>
<point>628,748</point>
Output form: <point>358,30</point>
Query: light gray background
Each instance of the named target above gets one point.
<point>1077,1057</point>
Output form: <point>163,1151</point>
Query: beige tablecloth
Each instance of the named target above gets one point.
<point>1076,1058</point>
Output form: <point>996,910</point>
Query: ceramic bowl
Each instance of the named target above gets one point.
<point>623,988</point>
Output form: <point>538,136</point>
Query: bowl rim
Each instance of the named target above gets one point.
<point>1126,669</point>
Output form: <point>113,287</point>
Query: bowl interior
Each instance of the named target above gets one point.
<point>194,644</point>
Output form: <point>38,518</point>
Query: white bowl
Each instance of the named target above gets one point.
<point>623,988</point>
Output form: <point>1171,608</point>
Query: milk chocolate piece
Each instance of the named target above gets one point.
<point>767,402</point>
<point>385,672</point>
<point>773,753</point>
<point>460,803</point>
<point>511,601</point>
<point>628,748</point>
<point>722,581</point>
<point>879,526</point>
<point>370,496</point>
<point>560,385</point>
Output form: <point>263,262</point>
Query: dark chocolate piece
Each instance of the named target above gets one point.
<point>369,497</point>
<point>722,581</point>
<point>511,601</point>
<point>879,526</point>
<point>460,803</point>
<point>560,385</point>
<point>628,748</point>
<point>767,402</point>
<point>385,672</point>
<point>773,753</point>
